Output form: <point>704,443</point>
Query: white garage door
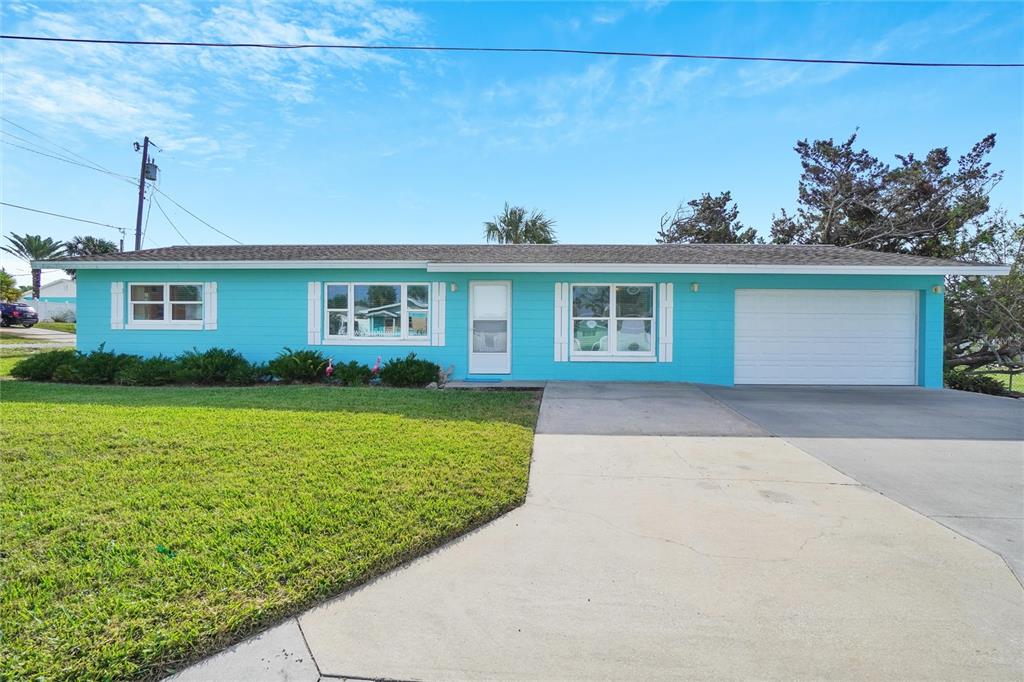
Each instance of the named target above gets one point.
<point>788,336</point>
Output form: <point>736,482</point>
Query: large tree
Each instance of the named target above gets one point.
<point>984,325</point>
<point>515,225</point>
<point>85,245</point>
<point>926,206</point>
<point>707,220</point>
<point>30,247</point>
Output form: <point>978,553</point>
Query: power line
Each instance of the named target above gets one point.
<point>169,221</point>
<point>51,142</point>
<point>171,199</point>
<point>71,161</point>
<point>61,215</point>
<point>518,50</point>
<point>149,209</point>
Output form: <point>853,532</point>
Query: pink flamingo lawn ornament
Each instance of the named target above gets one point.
<point>376,367</point>
<point>329,371</point>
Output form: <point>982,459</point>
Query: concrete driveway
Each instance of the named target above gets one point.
<point>956,457</point>
<point>39,338</point>
<point>680,555</point>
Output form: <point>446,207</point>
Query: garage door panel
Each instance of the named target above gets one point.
<point>826,337</point>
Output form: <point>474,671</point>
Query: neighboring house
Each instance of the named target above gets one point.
<point>717,314</point>
<point>55,298</point>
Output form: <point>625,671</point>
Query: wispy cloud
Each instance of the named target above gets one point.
<point>116,92</point>
<point>572,106</point>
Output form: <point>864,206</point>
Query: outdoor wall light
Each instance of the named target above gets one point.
<point>454,287</point>
<point>694,287</point>
<point>937,289</point>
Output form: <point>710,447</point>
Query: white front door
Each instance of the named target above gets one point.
<point>490,327</point>
<point>786,336</point>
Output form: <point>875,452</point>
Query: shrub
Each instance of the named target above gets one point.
<point>66,315</point>
<point>352,374</point>
<point>212,366</point>
<point>247,375</point>
<point>41,366</point>
<point>97,367</point>
<point>156,371</point>
<point>975,383</point>
<point>409,371</point>
<point>298,365</point>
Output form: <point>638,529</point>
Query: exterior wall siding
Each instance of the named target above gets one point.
<point>262,311</point>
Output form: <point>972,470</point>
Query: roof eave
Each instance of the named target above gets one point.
<point>694,268</point>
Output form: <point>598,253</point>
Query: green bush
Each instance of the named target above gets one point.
<point>352,374</point>
<point>156,371</point>
<point>298,365</point>
<point>975,383</point>
<point>41,366</point>
<point>97,367</point>
<point>213,366</point>
<point>409,371</point>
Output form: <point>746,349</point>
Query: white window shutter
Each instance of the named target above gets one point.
<point>665,296</point>
<point>439,292</point>
<point>561,321</point>
<point>117,305</point>
<point>315,314</point>
<point>210,305</point>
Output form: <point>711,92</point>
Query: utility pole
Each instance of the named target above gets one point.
<point>147,172</point>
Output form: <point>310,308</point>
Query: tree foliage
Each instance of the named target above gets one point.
<point>926,206</point>
<point>9,289</point>
<point>85,245</point>
<point>515,225</point>
<point>707,220</point>
<point>984,325</point>
<point>30,247</point>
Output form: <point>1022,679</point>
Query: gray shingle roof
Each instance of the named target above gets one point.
<point>666,254</point>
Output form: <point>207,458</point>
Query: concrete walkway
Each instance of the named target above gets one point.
<point>734,555</point>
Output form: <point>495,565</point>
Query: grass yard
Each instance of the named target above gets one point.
<point>9,358</point>
<point>11,339</point>
<point>68,327</point>
<point>141,528</point>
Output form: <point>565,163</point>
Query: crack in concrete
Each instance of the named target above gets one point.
<point>309,649</point>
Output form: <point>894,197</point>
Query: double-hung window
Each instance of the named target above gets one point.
<point>165,305</point>
<point>612,320</point>
<point>374,312</point>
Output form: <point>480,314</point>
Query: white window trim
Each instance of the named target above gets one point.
<point>612,355</point>
<point>328,339</point>
<point>165,323</point>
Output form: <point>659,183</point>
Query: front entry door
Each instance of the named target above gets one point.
<point>490,327</point>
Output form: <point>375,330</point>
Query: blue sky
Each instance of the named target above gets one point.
<point>335,147</point>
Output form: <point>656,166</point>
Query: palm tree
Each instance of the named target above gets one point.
<point>514,226</point>
<point>32,247</point>
<point>89,246</point>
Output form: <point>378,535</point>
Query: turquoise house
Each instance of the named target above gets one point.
<point>716,314</point>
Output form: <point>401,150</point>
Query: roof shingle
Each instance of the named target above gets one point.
<point>650,254</point>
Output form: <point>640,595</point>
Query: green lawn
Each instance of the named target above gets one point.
<point>8,338</point>
<point>9,358</point>
<point>58,326</point>
<point>141,528</point>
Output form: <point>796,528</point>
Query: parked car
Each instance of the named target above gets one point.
<point>17,313</point>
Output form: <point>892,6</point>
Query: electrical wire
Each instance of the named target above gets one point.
<point>51,142</point>
<point>100,169</point>
<point>123,178</point>
<point>220,232</point>
<point>517,50</point>
<point>149,209</point>
<point>61,215</point>
<point>169,221</point>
